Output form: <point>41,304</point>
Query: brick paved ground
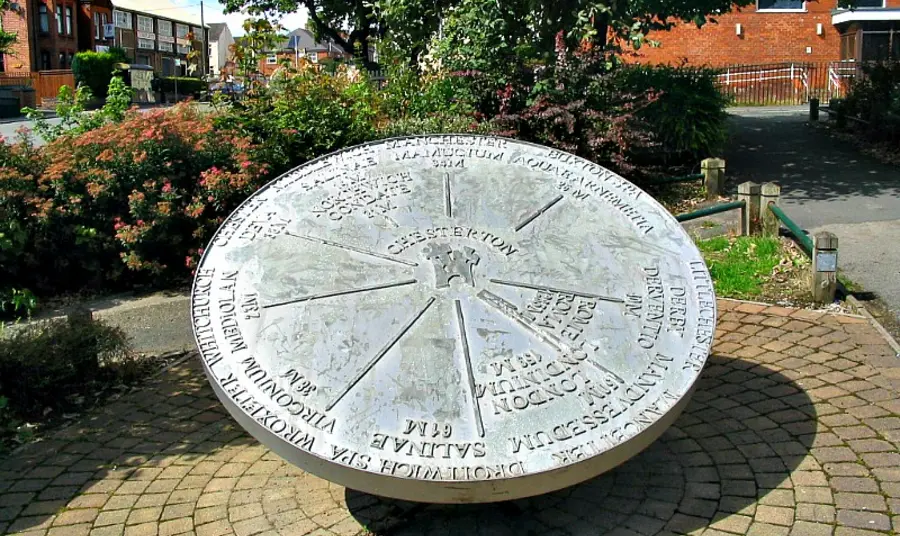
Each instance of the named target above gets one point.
<point>794,431</point>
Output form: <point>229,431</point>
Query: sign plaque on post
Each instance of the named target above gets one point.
<point>453,318</point>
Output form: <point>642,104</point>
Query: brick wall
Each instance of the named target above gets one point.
<point>20,59</point>
<point>766,37</point>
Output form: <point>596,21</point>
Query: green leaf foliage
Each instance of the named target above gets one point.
<point>688,116</point>
<point>95,69</point>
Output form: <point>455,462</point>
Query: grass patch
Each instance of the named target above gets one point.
<point>743,267</point>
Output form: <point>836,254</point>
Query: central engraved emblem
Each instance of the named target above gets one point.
<point>449,263</point>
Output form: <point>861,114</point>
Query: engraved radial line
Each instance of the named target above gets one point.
<point>561,291</point>
<point>534,215</point>
<point>351,248</point>
<point>448,201</point>
<point>387,348</point>
<point>341,293</point>
<point>465,344</point>
<point>511,311</point>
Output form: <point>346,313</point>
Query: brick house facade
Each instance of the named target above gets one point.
<point>773,31</point>
<point>300,45</point>
<point>48,35</point>
<point>51,32</point>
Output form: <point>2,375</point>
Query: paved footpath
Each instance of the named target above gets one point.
<point>827,185</point>
<point>794,430</point>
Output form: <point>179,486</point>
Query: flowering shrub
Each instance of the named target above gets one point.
<point>576,106</point>
<point>149,190</point>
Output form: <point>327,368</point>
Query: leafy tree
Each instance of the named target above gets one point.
<point>409,25</point>
<point>349,23</point>
<point>260,35</point>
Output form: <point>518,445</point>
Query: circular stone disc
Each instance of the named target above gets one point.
<point>453,318</point>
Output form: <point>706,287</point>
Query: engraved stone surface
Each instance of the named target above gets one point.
<point>453,318</point>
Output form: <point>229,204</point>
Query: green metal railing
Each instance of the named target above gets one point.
<point>709,211</point>
<point>802,238</point>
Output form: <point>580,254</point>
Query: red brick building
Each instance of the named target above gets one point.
<point>773,31</point>
<point>51,32</point>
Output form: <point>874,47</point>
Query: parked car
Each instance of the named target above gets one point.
<point>232,90</point>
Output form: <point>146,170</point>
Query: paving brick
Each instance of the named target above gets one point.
<point>774,515</point>
<point>860,501</point>
<point>864,520</point>
<point>75,517</point>
<point>855,484</point>
<point>805,528</point>
<point>820,513</point>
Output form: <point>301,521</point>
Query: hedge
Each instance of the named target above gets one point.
<point>186,85</point>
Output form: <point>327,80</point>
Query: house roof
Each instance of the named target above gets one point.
<point>215,30</point>
<point>301,39</point>
<point>166,9</point>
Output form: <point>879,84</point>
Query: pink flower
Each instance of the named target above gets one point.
<point>210,199</point>
<point>245,165</point>
<point>167,187</point>
<point>140,222</point>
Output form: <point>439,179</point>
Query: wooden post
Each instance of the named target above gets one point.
<point>748,192</point>
<point>814,110</point>
<point>824,267</point>
<point>713,170</point>
<point>770,194</point>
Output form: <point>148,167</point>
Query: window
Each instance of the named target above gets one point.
<point>69,20</point>
<point>166,47</point>
<point>780,5</point>
<point>165,28</point>
<point>59,20</point>
<point>183,30</point>
<point>62,60</point>
<point>97,28</point>
<point>143,59</point>
<point>844,4</point>
<point>313,57</point>
<point>147,43</point>
<point>2,63</point>
<point>184,49</point>
<point>104,19</point>
<point>271,60</point>
<point>145,24</point>
<point>122,19</point>
<point>45,60</point>
<point>70,59</point>
<point>45,18</point>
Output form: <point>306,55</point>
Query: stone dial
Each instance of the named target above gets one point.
<point>453,318</point>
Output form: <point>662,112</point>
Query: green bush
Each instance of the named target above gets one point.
<point>432,124</point>
<point>306,115</point>
<point>875,97</point>
<point>20,165</point>
<point>407,94</point>
<point>687,114</point>
<point>53,364</point>
<point>186,85</point>
<point>95,69</point>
